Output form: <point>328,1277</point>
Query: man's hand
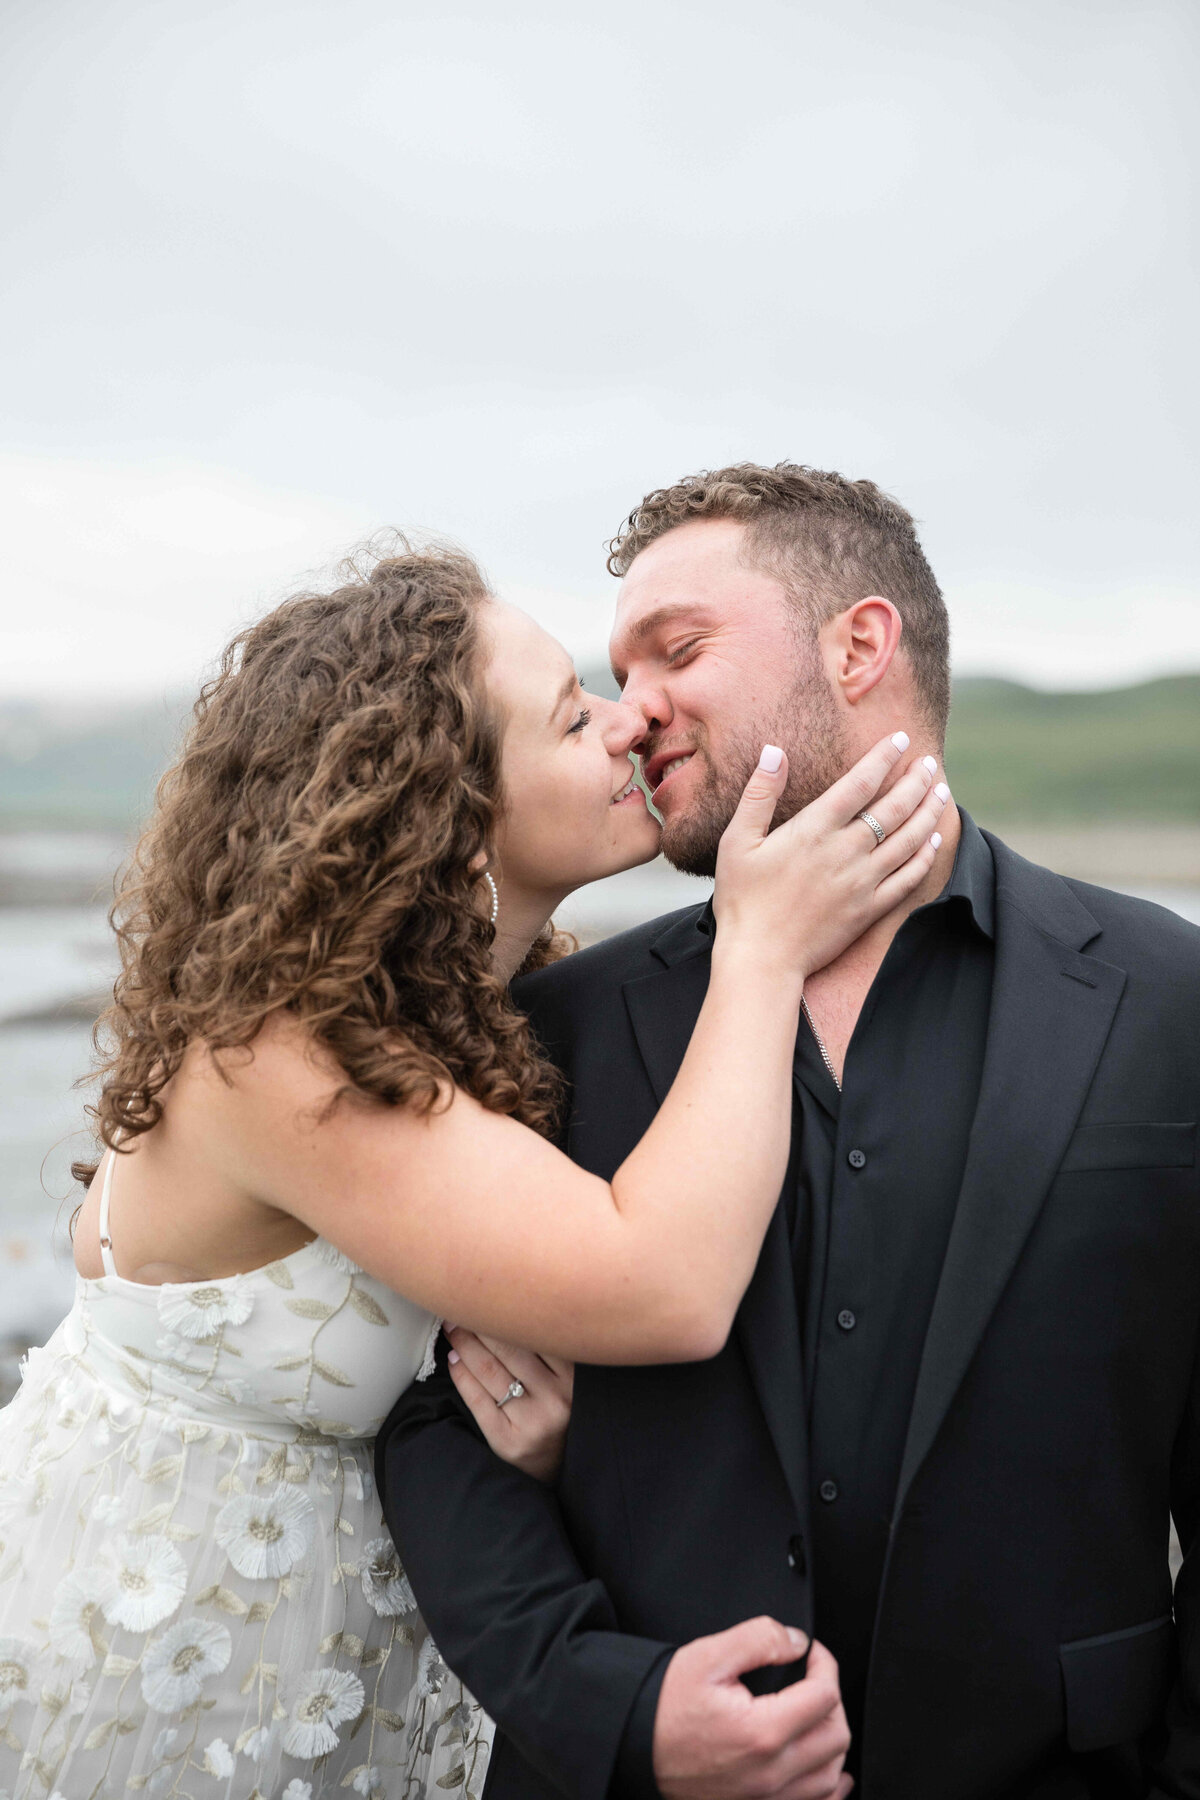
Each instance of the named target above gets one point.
<point>715,1740</point>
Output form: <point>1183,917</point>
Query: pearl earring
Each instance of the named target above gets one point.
<point>495,895</point>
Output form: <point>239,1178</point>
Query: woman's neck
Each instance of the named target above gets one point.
<point>521,918</point>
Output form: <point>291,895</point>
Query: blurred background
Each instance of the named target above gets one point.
<point>279,275</point>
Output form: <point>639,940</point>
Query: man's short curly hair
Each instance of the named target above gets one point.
<point>830,541</point>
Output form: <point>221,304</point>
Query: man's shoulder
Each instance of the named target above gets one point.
<point>1133,930</point>
<point>615,959</point>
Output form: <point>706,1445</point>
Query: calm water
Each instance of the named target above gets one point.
<point>51,956</point>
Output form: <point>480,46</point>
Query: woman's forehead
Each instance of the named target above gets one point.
<point>527,666</point>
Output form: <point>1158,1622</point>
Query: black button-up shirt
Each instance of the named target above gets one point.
<point>873,1184</point>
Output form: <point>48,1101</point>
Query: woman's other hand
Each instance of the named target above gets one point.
<point>530,1430</point>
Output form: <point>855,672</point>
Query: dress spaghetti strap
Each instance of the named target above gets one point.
<point>106,1252</point>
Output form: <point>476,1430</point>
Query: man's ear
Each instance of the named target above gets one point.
<point>860,644</point>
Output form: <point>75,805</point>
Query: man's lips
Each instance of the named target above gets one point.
<point>656,768</point>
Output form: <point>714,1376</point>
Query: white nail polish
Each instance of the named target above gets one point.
<point>770,759</point>
<point>930,763</point>
<point>942,791</point>
<point>901,740</point>
<point>936,840</point>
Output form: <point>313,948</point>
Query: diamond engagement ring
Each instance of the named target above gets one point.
<point>870,819</point>
<point>515,1390</point>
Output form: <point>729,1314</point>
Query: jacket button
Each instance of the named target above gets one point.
<point>797,1555</point>
<point>828,1491</point>
<point>846,1319</point>
<point>857,1159</point>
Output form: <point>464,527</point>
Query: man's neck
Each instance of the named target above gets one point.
<point>835,994</point>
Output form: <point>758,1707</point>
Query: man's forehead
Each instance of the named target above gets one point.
<point>702,579</point>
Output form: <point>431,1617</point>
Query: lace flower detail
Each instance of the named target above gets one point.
<point>266,1534</point>
<point>177,1664</point>
<point>384,1582</point>
<point>297,1789</point>
<point>259,1742</point>
<point>18,1661</point>
<point>196,1312</point>
<point>322,1700</point>
<point>431,1670</point>
<point>145,1583</point>
<point>218,1758</point>
<point>75,1616</point>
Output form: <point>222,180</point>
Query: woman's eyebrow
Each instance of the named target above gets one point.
<point>564,694</point>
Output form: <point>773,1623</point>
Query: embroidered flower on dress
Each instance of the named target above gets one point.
<point>260,1740</point>
<point>176,1664</point>
<point>384,1582</point>
<point>234,1389</point>
<point>196,1312</point>
<point>75,1615</point>
<point>175,1348</point>
<point>323,1699</point>
<point>431,1670</point>
<point>366,1781</point>
<point>111,1509</point>
<point>297,1789</point>
<point>166,1737</point>
<point>266,1534</point>
<point>18,1660</point>
<point>145,1583</point>
<point>218,1758</point>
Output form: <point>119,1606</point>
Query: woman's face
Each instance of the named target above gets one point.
<point>567,766</point>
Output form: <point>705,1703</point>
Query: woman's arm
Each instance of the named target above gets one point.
<point>476,1217</point>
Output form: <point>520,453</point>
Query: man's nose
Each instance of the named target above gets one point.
<point>624,728</point>
<point>650,702</point>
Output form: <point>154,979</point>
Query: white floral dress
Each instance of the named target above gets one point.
<point>198,1595</point>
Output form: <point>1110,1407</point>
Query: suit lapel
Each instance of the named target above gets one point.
<point>1052,1010</point>
<point>663,1008</point>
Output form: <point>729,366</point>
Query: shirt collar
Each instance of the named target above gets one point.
<point>972,879</point>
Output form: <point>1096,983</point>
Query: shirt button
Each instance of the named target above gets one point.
<point>846,1319</point>
<point>857,1159</point>
<point>797,1555</point>
<point>828,1491</point>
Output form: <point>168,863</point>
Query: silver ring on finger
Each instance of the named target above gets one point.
<point>515,1391</point>
<point>870,819</point>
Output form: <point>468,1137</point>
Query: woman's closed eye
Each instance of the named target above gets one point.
<point>585,718</point>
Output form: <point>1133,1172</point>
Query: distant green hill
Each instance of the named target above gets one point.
<point>94,768</point>
<point>1014,755</point>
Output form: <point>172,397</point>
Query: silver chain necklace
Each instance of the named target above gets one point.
<point>827,1059</point>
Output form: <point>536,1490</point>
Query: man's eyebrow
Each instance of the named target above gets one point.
<point>643,628</point>
<point>564,694</point>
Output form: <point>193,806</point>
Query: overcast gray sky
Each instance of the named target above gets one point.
<point>280,273</point>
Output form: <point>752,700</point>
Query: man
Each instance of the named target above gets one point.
<point>961,1397</point>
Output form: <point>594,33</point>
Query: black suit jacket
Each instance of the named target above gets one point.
<point>1025,1622</point>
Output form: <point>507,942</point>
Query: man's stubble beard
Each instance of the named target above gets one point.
<point>806,724</point>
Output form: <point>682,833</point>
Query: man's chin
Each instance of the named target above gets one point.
<point>690,848</point>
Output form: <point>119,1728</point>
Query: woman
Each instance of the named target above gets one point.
<point>325,1128</point>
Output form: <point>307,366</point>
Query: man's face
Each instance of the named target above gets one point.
<point>714,655</point>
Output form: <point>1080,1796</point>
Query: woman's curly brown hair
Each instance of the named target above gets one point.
<point>312,850</point>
